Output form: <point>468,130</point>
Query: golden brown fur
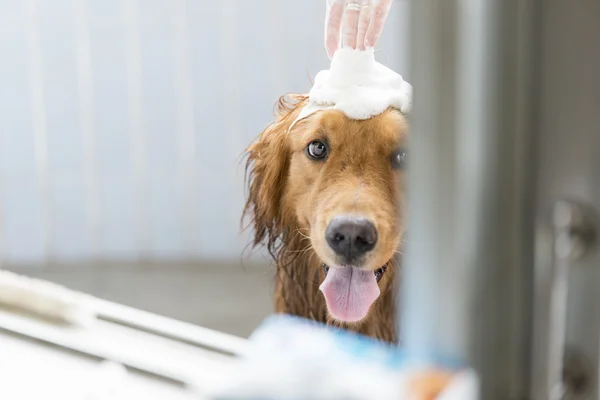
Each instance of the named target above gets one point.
<point>291,198</point>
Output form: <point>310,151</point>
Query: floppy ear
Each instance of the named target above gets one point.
<point>267,168</point>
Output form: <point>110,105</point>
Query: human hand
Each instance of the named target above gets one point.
<point>359,23</point>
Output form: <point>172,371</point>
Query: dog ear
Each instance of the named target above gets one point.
<point>267,168</point>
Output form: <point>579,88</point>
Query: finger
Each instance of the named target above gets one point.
<point>378,18</point>
<point>363,25</point>
<point>333,25</point>
<point>350,26</point>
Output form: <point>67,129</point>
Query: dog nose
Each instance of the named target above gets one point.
<point>351,237</point>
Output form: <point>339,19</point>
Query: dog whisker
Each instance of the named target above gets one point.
<point>301,251</point>
<point>298,232</point>
<point>305,236</point>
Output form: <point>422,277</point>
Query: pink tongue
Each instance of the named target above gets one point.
<point>349,292</point>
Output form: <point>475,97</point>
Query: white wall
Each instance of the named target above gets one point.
<point>121,121</point>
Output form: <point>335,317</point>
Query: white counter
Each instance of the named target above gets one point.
<point>126,354</point>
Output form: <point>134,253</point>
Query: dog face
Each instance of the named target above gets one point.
<point>338,183</point>
<point>344,183</point>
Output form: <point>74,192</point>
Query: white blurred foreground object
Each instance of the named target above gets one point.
<point>289,358</point>
<point>122,353</point>
<point>358,86</point>
<point>118,353</point>
<point>44,299</point>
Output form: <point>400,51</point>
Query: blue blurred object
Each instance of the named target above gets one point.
<point>292,330</point>
<point>293,358</point>
<point>356,345</point>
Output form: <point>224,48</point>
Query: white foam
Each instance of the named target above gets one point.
<point>358,86</point>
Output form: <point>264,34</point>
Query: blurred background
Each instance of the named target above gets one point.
<point>122,124</point>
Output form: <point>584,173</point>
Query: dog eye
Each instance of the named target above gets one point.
<point>399,159</point>
<point>317,150</point>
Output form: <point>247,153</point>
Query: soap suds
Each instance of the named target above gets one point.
<point>358,86</point>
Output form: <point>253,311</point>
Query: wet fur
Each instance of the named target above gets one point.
<point>276,225</point>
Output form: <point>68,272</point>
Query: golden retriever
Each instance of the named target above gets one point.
<point>325,198</point>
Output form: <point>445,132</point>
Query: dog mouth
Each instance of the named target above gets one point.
<point>350,291</point>
<point>378,272</point>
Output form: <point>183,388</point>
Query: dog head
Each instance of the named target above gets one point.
<point>337,185</point>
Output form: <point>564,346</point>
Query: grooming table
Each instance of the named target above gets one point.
<point>124,354</point>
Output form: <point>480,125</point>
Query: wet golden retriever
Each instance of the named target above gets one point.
<point>325,198</point>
